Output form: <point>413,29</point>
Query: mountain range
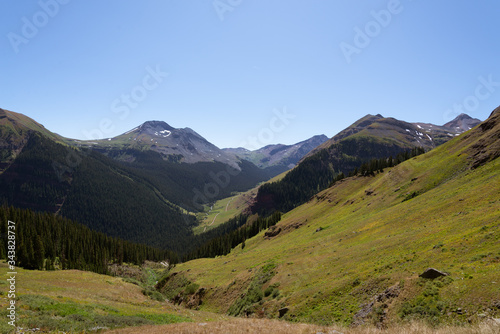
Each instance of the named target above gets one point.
<point>179,145</point>
<point>386,223</point>
<point>401,133</point>
<point>148,184</point>
<point>278,155</point>
<point>145,185</point>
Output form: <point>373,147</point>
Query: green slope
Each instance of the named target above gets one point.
<point>74,301</point>
<point>366,239</point>
<point>19,124</point>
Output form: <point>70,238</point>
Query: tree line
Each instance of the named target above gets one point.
<point>223,244</point>
<point>45,241</point>
<point>315,174</point>
<point>378,165</point>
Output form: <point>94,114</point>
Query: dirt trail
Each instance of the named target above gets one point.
<point>211,222</point>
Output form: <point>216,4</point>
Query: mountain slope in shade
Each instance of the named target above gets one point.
<point>180,145</point>
<point>14,133</point>
<point>144,200</point>
<point>285,156</point>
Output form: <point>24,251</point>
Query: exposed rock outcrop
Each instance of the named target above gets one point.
<point>432,273</point>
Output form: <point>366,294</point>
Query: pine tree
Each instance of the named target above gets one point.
<point>39,253</point>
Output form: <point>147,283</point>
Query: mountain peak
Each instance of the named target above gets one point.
<point>463,116</point>
<point>156,125</point>
<point>462,122</point>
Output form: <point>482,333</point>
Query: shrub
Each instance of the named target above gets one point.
<point>131,280</point>
<point>254,294</point>
<point>191,288</point>
<point>427,305</point>
<point>268,291</point>
<point>411,196</point>
<point>153,294</point>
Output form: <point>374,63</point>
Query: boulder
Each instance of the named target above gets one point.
<point>283,311</point>
<point>432,273</point>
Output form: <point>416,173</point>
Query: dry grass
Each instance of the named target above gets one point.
<point>240,326</point>
<point>233,326</point>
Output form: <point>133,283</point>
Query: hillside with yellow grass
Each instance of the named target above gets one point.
<point>353,254</point>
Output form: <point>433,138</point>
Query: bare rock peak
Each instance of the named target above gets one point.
<point>156,125</point>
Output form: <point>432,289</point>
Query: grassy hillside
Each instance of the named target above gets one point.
<point>353,254</point>
<point>73,301</point>
<point>18,124</point>
<point>368,139</point>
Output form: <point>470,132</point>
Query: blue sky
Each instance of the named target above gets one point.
<point>227,68</point>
